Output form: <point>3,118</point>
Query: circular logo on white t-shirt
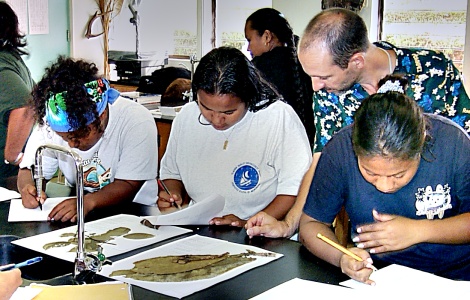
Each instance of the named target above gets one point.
<point>246,177</point>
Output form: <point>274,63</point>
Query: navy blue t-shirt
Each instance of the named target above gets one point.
<point>439,189</point>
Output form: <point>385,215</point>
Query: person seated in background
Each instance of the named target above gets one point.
<point>342,79</point>
<point>16,117</point>
<point>9,282</point>
<point>174,94</point>
<point>272,44</point>
<point>116,139</point>
<point>406,191</point>
<point>236,140</point>
<point>160,79</point>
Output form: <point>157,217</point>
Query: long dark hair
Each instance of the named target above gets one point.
<point>10,37</point>
<point>390,124</point>
<point>270,19</point>
<point>227,71</point>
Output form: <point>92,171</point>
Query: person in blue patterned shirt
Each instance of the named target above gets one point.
<point>345,68</point>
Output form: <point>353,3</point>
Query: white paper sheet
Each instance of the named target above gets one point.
<point>305,289</point>
<point>117,245</point>
<point>199,213</point>
<point>6,194</point>
<point>25,293</point>
<point>19,213</point>
<point>142,98</point>
<point>192,245</point>
<point>400,281</point>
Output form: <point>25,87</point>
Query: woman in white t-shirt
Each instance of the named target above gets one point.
<point>238,140</point>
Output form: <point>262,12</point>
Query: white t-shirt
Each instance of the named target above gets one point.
<point>267,155</point>
<point>127,150</point>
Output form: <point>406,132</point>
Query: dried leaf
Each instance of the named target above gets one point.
<point>187,267</point>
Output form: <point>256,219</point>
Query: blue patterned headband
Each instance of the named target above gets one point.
<point>56,109</point>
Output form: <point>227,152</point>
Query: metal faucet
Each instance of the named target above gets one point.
<point>85,264</point>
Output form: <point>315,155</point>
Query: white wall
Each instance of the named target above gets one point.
<point>298,15</point>
<point>81,47</point>
<point>298,12</point>
<point>156,28</point>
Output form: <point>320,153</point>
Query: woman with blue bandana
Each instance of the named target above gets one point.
<point>116,139</point>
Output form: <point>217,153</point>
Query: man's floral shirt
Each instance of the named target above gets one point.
<point>434,82</point>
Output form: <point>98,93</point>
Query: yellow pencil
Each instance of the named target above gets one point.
<point>341,248</point>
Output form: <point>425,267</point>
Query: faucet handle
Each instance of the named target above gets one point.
<point>100,254</point>
<point>93,263</point>
<point>102,257</point>
<point>86,268</point>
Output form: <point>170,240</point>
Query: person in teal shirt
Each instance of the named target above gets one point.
<point>16,118</point>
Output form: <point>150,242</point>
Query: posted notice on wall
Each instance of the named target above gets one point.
<point>38,13</point>
<point>33,15</point>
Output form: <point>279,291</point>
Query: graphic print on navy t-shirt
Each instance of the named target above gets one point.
<point>246,177</point>
<point>431,203</point>
<point>95,176</point>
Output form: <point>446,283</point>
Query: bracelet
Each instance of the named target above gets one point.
<point>18,158</point>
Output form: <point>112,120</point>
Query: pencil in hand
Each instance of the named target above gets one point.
<point>38,186</point>
<point>163,186</point>
<point>341,248</point>
<point>39,203</point>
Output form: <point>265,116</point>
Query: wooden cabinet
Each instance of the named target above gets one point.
<point>163,127</point>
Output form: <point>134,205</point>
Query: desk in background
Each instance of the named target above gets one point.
<point>163,124</point>
<point>123,87</point>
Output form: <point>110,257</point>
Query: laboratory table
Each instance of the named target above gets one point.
<point>296,262</point>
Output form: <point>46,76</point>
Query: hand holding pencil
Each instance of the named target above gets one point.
<point>165,188</point>
<point>37,184</point>
<point>343,249</point>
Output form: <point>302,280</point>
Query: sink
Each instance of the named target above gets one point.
<point>50,267</point>
<point>67,279</point>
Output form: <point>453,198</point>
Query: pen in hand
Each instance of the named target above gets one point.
<point>162,184</point>
<point>21,264</point>
<point>341,248</point>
